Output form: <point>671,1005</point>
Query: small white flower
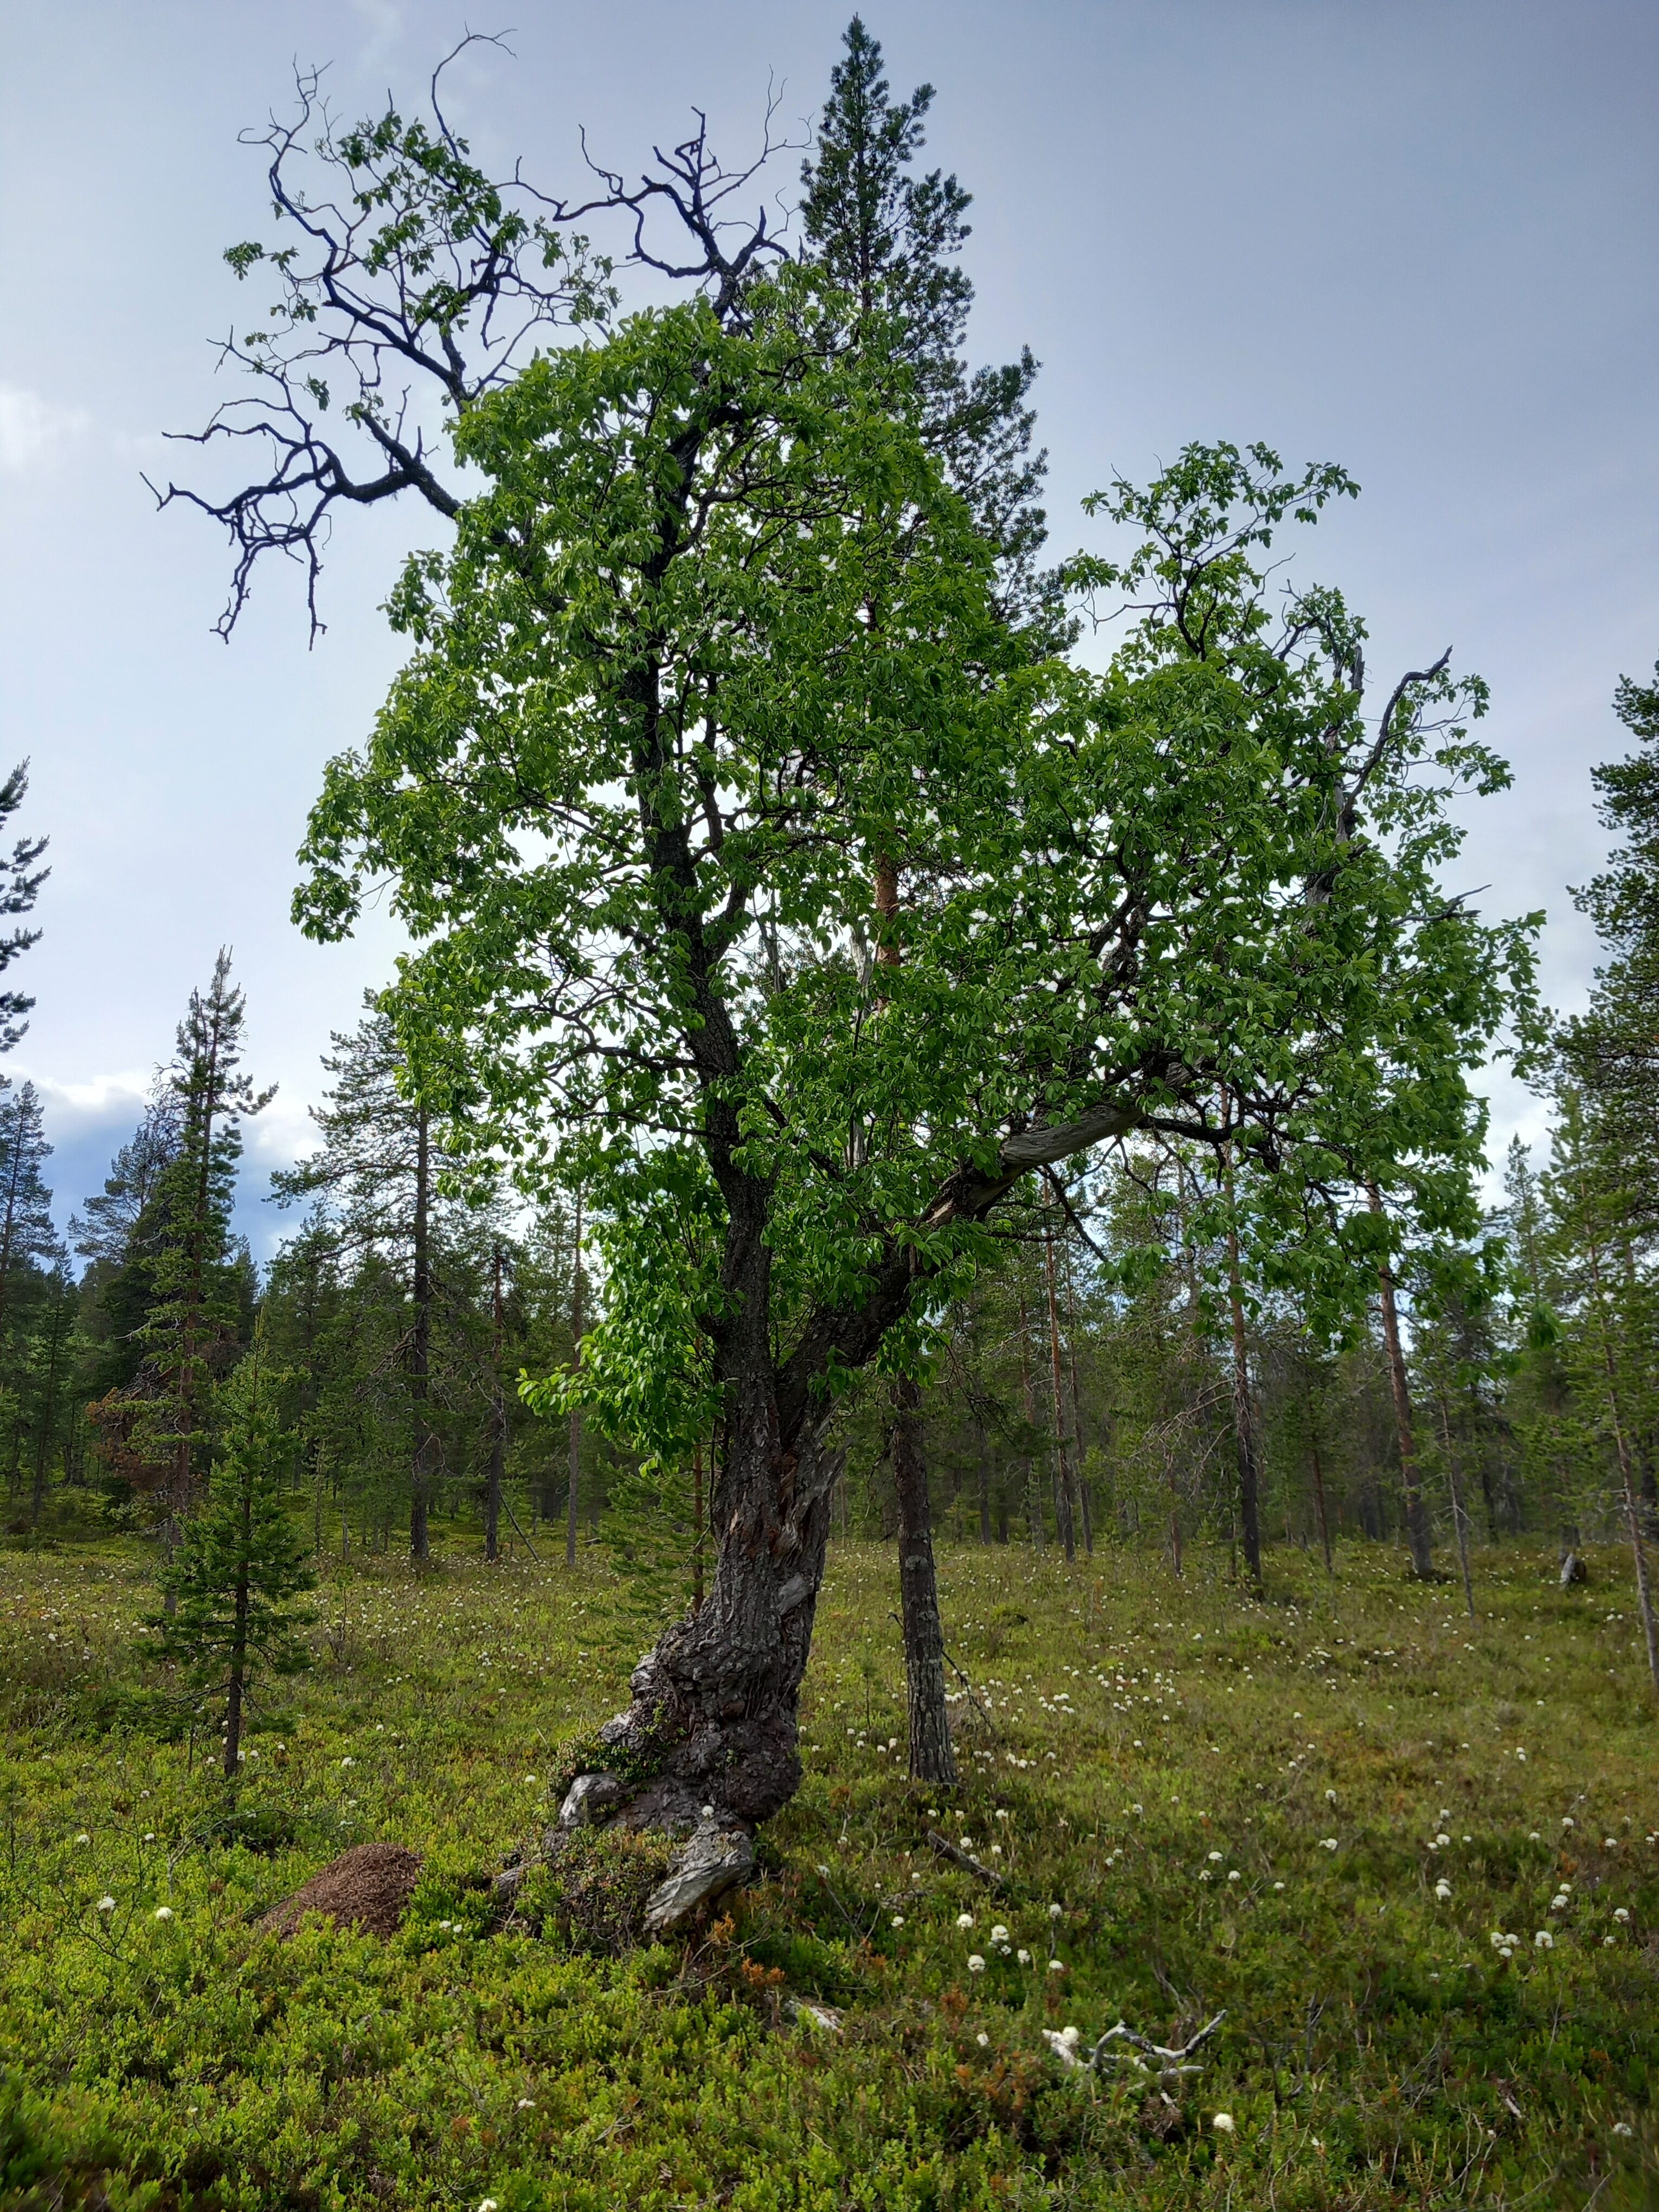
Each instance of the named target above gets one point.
<point>164,1912</point>
<point>1623,2128</point>
<point>1223,2123</point>
<point>1607,1942</point>
<point>1235,1875</point>
<point>1001,1813</point>
<point>84,1837</point>
<point>1534,1838</point>
<point>348,1762</point>
<point>1279,1884</point>
<point>1620,1914</point>
<point>967,1843</point>
<point>1566,1819</point>
<point>975,1964</point>
<point>530,1780</point>
<point>526,2104</point>
<point>1056,1966</point>
<point>825,1871</point>
<point>1442,1841</point>
<point>1330,1796</point>
<point>982,2039</point>
<point>1609,1843</point>
<point>105,1904</point>
<point>1442,1890</point>
<point>1214,1856</point>
<point>1543,1940</point>
<point>898,1920</point>
<point>1054,1909</point>
<point>1327,1843</point>
<point>1497,1938</point>
<point>999,1934</point>
<point>487,2204</point>
<point>965,1920</point>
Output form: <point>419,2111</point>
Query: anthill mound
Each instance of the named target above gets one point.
<point>367,1887</point>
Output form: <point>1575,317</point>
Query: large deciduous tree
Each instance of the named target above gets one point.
<point>717,635</point>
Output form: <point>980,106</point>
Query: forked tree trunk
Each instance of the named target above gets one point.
<point>932,1759</point>
<point>712,1718</point>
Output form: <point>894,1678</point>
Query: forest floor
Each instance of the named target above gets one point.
<point>1196,1803</point>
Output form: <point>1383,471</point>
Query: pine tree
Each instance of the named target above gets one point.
<point>27,1233</point>
<point>18,897</point>
<point>376,1171</point>
<point>888,237</point>
<point>1608,1303</point>
<point>241,1562</point>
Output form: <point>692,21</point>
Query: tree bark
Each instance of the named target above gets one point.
<point>239,1639</point>
<point>1061,1461</point>
<point>573,1492</point>
<point>1617,1422</point>
<point>1244,1437</point>
<point>48,1415</point>
<point>1081,1463</point>
<point>419,1347</point>
<point>497,1424</point>
<point>1318,1479</point>
<point>932,1758</point>
<point>984,1483</point>
<point>714,1706</point>
<point>1249,1480</point>
<point>1033,1503</point>
<point>1460,1518</point>
<point>1410,1481</point>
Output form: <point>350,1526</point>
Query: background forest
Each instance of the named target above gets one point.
<point>1101,1386</point>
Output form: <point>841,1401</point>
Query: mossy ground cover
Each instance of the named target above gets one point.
<point>1194,1803</point>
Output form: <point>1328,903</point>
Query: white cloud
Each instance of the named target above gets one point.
<point>100,1099</point>
<point>385,18</point>
<point>34,431</point>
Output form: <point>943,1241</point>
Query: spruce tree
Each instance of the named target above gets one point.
<point>18,897</point>
<point>241,1562</point>
<point>193,1324</point>
<point>166,1207</point>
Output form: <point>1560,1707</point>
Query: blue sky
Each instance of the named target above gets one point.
<point>1419,238</point>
